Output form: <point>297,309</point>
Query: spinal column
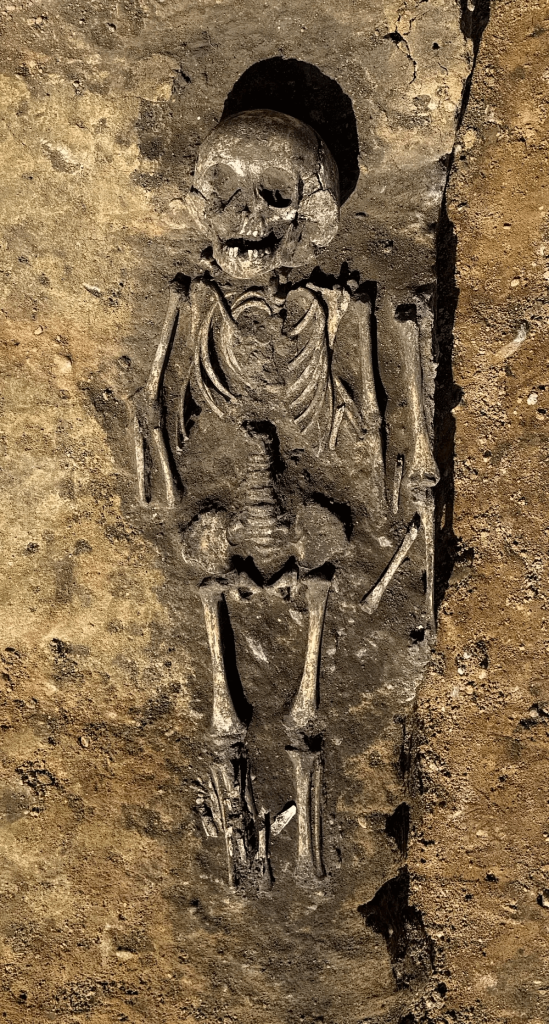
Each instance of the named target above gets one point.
<point>258,530</point>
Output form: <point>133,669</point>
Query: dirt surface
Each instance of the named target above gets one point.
<point>114,906</point>
<point>480,853</point>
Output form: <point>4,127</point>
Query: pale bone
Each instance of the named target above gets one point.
<point>283,819</point>
<point>336,423</point>
<point>371,601</point>
<point>428,520</point>
<point>207,819</point>
<point>232,807</point>
<point>214,805</point>
<point>397,482</point>
<point>152,412</point>
<point>345,406</point>
<point>337,303</point>
<point>262,855</point>
<point>307,778</point>
<point>254,145</point>
<point>421,468</point>
<point>225,721</point>
<point>304,708</point>
<point>140,460</point>
<point>312,366</point>
<point>218,788</point>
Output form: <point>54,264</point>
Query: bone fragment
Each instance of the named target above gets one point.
<point>371,601</point>
<point>262,856</point>
<point>316,816</point>
<point>306,319</point>
<point>225,721</point>
<point>218,786</point>
<point>164,460</point>
<point>428,520</point>
<point>206,818</point>
<point>148,422</point>
<point>337,301</point>
<point>338,417</point>
<point>152,388</point>
<point>215,806</point>
<point>140,460</point>
<point>309,862</point>
<point>368,405</point>
<point>397,482</point>
<point>421,467</point>
<point>345,407</point>
<point>282,819</point>
<point>304,708</point>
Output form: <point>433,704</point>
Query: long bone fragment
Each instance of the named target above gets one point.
<point>412,334</point>
<point>304,708</point>
<point>235,814</point>
<point>397,483</point>
<point>148,420</point>
<point>227,831</point>
<point>371,601</point>
<point>225,720</point>
<point>307,778</point>
<point>428,519</point>
<point>282,819</point>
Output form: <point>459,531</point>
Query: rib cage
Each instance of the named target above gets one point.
<point>307,389</point>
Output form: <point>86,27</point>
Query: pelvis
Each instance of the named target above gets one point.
<point>262,529</point>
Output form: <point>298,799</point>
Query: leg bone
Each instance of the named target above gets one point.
<point>225,721</point>
<point>428,520</point>
<point>307,776</point>
<point>304,708</point>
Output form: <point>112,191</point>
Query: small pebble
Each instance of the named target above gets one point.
<point>84,742</point>
<point>39,330</point>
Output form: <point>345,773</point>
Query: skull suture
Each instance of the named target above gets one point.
<point>266,192</point>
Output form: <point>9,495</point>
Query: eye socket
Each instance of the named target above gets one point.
<point>275,198</point>
<point>224,181</point>
<point>277,187</point>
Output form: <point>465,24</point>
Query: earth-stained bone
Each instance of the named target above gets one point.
<point>265,192</point>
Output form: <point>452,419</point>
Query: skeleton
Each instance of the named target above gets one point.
<point>266,196</point>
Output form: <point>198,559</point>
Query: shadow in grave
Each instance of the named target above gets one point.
<point>447,393</point>
<point>301,90</point>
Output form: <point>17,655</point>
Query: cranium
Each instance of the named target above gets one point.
<point>266,192</point>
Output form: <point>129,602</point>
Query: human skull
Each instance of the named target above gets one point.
<point>266,192</point>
